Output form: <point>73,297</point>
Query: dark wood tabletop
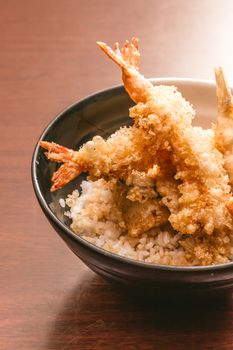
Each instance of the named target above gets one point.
<point>49,59</point>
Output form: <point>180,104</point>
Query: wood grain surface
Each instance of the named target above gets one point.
<point>48,60</point>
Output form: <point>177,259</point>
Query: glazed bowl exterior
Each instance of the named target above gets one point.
<point>101,114</point>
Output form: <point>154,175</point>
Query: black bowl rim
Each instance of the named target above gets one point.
<point>116,89</point>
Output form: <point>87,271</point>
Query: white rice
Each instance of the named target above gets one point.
<point>95,217</point>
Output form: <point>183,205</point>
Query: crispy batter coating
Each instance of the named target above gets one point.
<point>141,208</point>
<point>202,192</point>
<point>164,168</point>
<point>122,156</point>
<point>164,115</point>
<point>224,124</point>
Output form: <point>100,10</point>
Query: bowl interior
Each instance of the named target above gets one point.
<point>102,114</point>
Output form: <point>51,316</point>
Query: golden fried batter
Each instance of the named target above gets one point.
<point>163,168</point>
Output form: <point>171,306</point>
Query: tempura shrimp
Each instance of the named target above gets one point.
<point>161,151</point>
<point>104,158</point>
<point>224,125</point>
<point>205,201</point>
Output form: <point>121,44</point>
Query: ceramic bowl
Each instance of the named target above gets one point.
<point>101,114</point>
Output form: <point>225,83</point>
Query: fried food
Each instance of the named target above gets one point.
<point>165,169</point>
<point>122,156</point>
<point>141,208</point>
<point>128,164</point>
<point>204,195</point>
<point>224,124</point>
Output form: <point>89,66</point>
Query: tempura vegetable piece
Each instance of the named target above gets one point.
<point>141,208</point>
<point>135,215</point>
<point>206,250</point>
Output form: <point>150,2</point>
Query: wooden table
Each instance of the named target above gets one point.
<point>48,60</point>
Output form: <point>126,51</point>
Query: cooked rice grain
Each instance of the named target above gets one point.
<point>96,217</point>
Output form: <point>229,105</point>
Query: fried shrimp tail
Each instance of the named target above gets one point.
<point>224,125</point>
<point>128,59</point>
<point>67,171</point>
<point>225,99</point>
<point>57,153</point>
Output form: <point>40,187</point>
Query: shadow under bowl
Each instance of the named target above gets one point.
<point>102,114</point>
